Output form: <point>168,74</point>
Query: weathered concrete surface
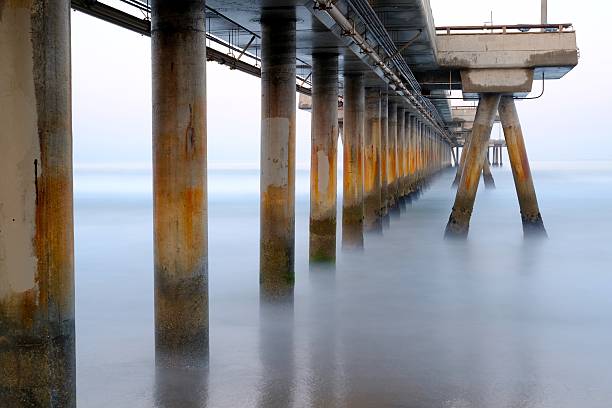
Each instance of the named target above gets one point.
<point>37,343</point>
<point>372,170</point>
<point>525,190</point>
<point>392,154</point>
<point>401,150</point>
<point>410,136</point>
<point>353,131</point>
<point>556,50</point>
<point>384,153</point>
<point>178,53</point>
<point>406,153</point>
<point>497,80</point>
<point>323,162</point>
<point>277,230</point>
<point>459,221</point>
<point>487,176</point>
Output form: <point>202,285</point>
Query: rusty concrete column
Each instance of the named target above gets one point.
<point>372,173</point>
<point>413,153</point>
<point>384,152</point>
<point>459,221</point>
<point>525,190</point>
<point>354,128</point>
<point>178,53</point>
<point>324,134</point>
<point>277,183</point>
<point>464,151</point>
<point>419,153</point>
<point>37,337</point>
<point>489,182</point>
<point>407,131</point>
<point>409,123</point>
<point>401,150</point>
<point>392,154</point>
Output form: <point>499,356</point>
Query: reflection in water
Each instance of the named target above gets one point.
<point>411,321</point>
<point>181,387</point>
<point>324,384</point>
<point>276,351</point>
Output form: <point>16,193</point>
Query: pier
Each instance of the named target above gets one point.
<point>375,75</point>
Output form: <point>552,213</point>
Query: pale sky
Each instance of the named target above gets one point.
<point>112,91</point>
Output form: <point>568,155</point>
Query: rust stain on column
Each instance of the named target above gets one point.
<point>324,135</point>
<point>461,160</point>
<point>459,221</point>
<point>525,190</point>
<point>178,52</point>
<point>412,153</point>
<point>406,155</point>
<point>277,229</point>
<point>401,150</point>
<point>392,153</point>
<point>384,152</point>
<point>37,339</point>
<point>352,205</point>
<point>487,175</point>
<point>372,174</point>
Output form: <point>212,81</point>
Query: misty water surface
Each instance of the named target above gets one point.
<point>413,321</point>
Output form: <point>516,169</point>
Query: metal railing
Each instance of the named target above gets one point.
<point>504,28</point>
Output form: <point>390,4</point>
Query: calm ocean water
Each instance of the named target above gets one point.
<point>412,321</point>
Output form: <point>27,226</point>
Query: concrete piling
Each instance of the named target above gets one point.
<point>37,332</point>
<point>384,152</point>
<point>277,189</point>
<point>392,154</point>
<point>525,190</point>
<point>323,167</point>
<point>489,182</point>
<point>409,124</point>
<point>372,173</point>
<point>405,157</point>
<point>459,221</point>
<point>401,151</point>
<point>178,52</point>
<point>354,128</point>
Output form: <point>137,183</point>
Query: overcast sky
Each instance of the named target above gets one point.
<point>112,91</point>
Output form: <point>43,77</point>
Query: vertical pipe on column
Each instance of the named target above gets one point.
<point>401,150</point>
<point>384,152</point>
<point>37,343</point>
<point>178,53</point>
<point>277,238</point>
<point>459,221</point>
<point>523,181</point>
<point>372,174</point>
<point>352,205</point>
<point>324,134</point>
<point>392,138</point>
